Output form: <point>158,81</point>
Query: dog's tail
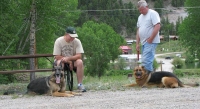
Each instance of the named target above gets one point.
<point>9,92</point>
<point>191,85</point>
<point>188,85</point>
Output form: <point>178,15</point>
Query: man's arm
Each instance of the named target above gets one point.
<point>75,57</point>
<point>155,31</point>
<point>67,59</point>
<point>137,40</point>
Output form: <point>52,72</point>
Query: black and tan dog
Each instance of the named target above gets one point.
<point>156,79</point>
<point>54,84</point>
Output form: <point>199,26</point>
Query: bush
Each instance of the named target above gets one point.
<point>6,78</point>
<point>155,64</point>
<point>178,63</point>
<point>189,58</point>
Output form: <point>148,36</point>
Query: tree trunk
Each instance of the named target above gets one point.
<point>32,40</point>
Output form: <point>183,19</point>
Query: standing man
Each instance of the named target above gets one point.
<point>68,49</point>
<point>148,26</point>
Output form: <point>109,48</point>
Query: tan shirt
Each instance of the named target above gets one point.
<point>63,48</point>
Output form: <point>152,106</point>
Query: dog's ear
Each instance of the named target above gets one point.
<point>53,67</point>
<point>143,68</point>
<point>61,63</point>
<point>54,64</point>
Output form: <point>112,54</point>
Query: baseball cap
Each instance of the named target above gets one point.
<point>142,3</point>
<point>71,31</point>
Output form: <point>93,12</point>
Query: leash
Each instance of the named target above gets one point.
<point>138,57</point>
<point>48,59</point>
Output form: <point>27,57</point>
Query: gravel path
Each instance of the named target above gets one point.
<point>130,98</point>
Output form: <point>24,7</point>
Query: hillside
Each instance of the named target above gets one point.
<point>171,12</point>
<point>124,21</point>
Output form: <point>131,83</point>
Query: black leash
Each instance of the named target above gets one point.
<point>49,60</point>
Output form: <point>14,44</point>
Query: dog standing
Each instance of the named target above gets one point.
<point>156,79</point>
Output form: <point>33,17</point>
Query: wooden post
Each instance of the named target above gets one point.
<point>32,40</point>
<point>161,65</point>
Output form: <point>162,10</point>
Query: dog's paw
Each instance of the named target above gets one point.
<point>77,94</point>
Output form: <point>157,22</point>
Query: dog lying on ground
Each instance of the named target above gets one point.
<point>54,85</point>
<point>156,79</point>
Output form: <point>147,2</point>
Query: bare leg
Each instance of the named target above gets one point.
<point>80,70</point>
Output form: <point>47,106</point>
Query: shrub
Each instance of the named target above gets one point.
<point>189,58</point>
<point>178,63</point>
<point>155,64</point>
<point>6,78</point>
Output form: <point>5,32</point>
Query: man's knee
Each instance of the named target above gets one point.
<point>79,62</point>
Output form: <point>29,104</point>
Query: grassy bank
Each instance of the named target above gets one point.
<point>111,83</point>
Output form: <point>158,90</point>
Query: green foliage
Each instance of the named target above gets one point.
<point>189,58</point>
<point>101,45</point>
<point>118,72</point>
<point>118,17</point>
<point>178,22</point>
<point>177,3</point>
<point>187,72</point>
<point>121,64</point>
<point>158,5</point>
<point>177,62</point>
<point>155,64</point>
<point>51,20</point>
<point>189,29</point>
<point>168,28</point>
<point>6,78</point>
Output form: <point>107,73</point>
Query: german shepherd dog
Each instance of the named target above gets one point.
<point>54,85</point>
<point>156,79</point>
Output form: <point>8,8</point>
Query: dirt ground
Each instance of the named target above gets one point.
<point>130,98</point>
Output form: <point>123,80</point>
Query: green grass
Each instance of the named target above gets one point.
<point>112,83</point>
<point>107,82</point>
<point>169,46</point>
<point>187,72</point>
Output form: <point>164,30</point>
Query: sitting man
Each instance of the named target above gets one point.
<point>68,49</point>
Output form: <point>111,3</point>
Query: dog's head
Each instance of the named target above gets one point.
<point>58,72</point>
<point>139,72</point>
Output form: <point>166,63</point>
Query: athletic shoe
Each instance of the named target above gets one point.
<point>81,88</point>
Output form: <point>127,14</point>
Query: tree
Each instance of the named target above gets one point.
<point>101,45</point>
<point>29,24</point>
<point>177,3</point>
<point>119,15</point>
<point>158,5</point>
<point>189,29</point>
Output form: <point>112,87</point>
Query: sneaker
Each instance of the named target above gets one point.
<point>81,88</point>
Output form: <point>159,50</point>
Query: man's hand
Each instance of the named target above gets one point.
<point>150,40</point>
<point>65,59</point>
<point>137,47</point>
